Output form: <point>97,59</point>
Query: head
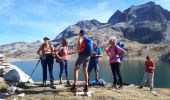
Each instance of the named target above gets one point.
<point>112,41</point>
<point>65,42</point>
<point>82,33</point>
<point>148,58</point>
<point>46,40</point>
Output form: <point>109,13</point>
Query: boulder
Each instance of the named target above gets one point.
<point>14,74</point>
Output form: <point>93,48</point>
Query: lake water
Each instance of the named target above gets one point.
<point>132,72</point>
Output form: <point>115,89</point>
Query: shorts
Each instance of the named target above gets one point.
<point>93,65</point>
<point>82,59</point>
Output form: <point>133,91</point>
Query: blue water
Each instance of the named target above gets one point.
<point>132,72</point>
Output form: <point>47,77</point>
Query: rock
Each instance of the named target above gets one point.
<point>1,79</point>
<point>21,95</point>
<point>15,74</point>
<point>11,90</point>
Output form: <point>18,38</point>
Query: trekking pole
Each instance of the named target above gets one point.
<point>33,70</point>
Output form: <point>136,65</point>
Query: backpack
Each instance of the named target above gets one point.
<point>121,45</point>
<point>100,82</point>
<point>58,55</point>
<point>89,46</point>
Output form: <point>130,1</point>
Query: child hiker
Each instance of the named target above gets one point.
<point>149,73</point>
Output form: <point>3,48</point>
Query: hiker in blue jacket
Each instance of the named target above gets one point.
<point>94,60</point>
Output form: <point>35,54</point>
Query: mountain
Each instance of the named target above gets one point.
<point>146,23</point>
<point>20,50</point>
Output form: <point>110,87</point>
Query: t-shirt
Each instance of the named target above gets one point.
<point>81,44</point>
<point>149,65</point>
<point>112,51</point>
<point>98,51</point>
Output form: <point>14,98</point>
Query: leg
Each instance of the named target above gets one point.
<point>66,69</point>
<point>61,70</point>
<point>96,68</point>
<point>144,80</point>
<point>44,70</point>
<point>90,67</point>
<point>85,73</point>
<point>50,68</point>
<point>151,80</point>
<point>118,72</point>
<point>114,73</point>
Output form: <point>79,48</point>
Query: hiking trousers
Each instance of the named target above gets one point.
<point>47,61</point>
<point>63,65</point>
<point>150,77</point>
<point>116,73</point>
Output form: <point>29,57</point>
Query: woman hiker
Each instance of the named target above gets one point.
<point>46,55</point>
<point>115,52</point>
<point>62,53</point>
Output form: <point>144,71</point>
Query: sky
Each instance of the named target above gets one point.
<point>31,20</point>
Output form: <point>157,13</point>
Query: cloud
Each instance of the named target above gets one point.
<point>5,4</point>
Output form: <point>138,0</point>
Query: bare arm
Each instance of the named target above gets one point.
<point>39,51</point>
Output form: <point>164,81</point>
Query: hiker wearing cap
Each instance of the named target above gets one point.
<point>114,52</point>
<point>149,73</point>
<point>84,52</point>
<point>94,60</point>
<point>63,50</point>
<point>46,55</point>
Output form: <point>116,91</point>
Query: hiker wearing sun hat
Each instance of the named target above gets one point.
<point>46,55</point>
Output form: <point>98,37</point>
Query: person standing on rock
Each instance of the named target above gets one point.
<point>85,46</point>
<point>149,73</point>
<point>63,52</point>
<point>115,52</point>
<point>46,55</point>
<point>94,60</point>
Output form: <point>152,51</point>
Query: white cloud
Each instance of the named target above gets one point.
<point>4,4</point>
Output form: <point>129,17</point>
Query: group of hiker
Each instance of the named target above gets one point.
<point>89,52</point>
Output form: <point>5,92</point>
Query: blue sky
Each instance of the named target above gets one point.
<point>31,20</point>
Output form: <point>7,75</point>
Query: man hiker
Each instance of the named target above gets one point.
<point>64,65</point>
<point>46,55</point>
<point>115,52</point>
<point>94,60</point>
<point>82,60</point>
<point>149,73</point>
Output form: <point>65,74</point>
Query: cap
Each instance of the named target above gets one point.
<point>46,38</point>
<point>82,32</point>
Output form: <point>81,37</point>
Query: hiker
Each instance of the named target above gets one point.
<point>83,58</point>
<point>115,52</point>
<point>63,50</point>
<point>149,73</point>
<point>94,60</point>
<point>46,55</point>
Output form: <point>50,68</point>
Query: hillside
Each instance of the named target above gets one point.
<point>20,50</point>
<point>61,92</point>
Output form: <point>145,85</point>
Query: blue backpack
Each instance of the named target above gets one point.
<point>89,46</point>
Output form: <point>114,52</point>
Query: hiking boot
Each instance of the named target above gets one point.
<point>86,88</point>
<point>74,88</point>
<point>114,86</point>
<point>68,84</point>
<point>151,89</point>
<point>120,87</point>
<point>52,86</point>
<point>43,84</point>
<point>140,87</point>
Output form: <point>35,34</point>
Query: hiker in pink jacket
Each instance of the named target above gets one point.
<point>63,56</point>
<point>115,52</point>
